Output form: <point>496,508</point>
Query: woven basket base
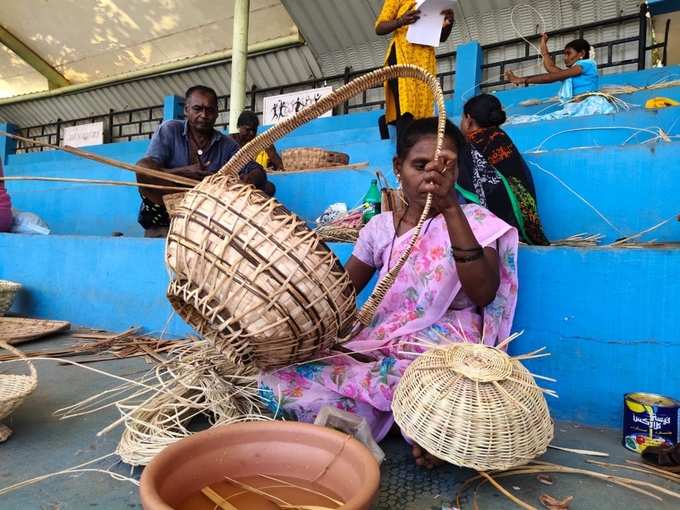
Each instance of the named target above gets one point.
<point>473,406</point>
<point>5,432</point>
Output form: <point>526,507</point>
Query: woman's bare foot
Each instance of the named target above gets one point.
<point>425,459</point>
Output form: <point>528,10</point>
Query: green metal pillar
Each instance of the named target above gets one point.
<point>239,57</point>
<point>54,78</point>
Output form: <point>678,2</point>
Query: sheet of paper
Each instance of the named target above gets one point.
<point>427,30</point>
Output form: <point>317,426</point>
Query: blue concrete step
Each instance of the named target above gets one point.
<point>337,123</point>
<point>596,130</point>
<point>84,209</point>
<point>635,100</point>
<point>608,316</point>
<point>323,139</point>
<point>591,131</point>
<point>309,193</point>
<point>643,173</point>
<point>602,176</point>
<point>513,96</point>
<point>635,187</point>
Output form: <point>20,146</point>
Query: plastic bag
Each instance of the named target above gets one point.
<point>332,213</point>
<point>351,424</point>
<point>28,223</point>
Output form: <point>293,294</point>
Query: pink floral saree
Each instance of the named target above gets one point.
<point>425,306</point>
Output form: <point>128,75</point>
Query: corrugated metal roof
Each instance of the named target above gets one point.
<point>338,34</point>
<point>95,39</point>
<point>264,71</point>
<point>342,33</point>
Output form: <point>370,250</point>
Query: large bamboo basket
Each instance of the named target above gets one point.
<point>473,406</point>
<point>250,275</point>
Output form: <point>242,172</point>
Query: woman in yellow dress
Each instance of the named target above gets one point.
<point>407,98</point>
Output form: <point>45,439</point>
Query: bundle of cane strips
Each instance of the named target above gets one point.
<point>344,229</point>
<point>156,409</point>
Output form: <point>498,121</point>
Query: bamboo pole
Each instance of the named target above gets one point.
<point>107,161</point>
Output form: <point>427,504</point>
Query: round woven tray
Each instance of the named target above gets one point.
<point>15,330</point>
<point>473,406</point>
<point>251,276</point>
<point>309,158</point>
<point>15,388</point>
<point>8,291</point>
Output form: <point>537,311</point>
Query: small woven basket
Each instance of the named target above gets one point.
<point>15,388</point>
<point>8,291</point>
<point>473,406</point>
<point>251,276</point>
<point>308,158</point>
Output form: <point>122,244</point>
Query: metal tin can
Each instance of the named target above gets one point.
<point>650,420</point>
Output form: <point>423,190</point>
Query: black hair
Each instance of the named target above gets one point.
<point>579,45</point>
<point>269,189</point>
<point>256,176</point>
<point>417,129</point>
<point>201,89</point>
<point>248,118</point>
<point>486,110</point>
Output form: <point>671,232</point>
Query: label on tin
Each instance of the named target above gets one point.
<point>650,420</point>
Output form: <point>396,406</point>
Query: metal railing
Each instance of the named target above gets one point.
<point>140,123</point>
<point>579,32</point>
<point>123,126</point>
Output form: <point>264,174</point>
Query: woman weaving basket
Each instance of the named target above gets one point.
<point>459,284</point>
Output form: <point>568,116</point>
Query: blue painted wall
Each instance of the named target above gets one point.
<point>609,317</point>
<point>82,209</point>
<point>635,187</point>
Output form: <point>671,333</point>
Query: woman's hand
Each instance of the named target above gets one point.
<point>448,17</point>
<point>409,18</point>
<point>514,79</point>
<point>544,44</point>
<point>439,179</point>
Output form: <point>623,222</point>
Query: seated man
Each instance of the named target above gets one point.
<point>191,148</point>
<point>247,124</point>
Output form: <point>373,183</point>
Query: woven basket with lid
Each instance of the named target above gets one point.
<point>251,276</point>
<point>473,406</point>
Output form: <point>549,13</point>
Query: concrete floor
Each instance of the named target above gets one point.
<point>44,444</point>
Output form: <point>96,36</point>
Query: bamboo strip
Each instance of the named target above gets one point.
<point>92,181</point>
<point>675,477</point>
<point>217,499</point>
<point>667,476</point>
<point>507,494</point>
<point>579,452</point>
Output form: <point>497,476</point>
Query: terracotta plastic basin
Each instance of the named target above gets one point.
<point>278,448</point>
